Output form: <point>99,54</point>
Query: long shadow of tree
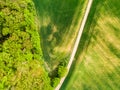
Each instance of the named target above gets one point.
<point>86,37</point>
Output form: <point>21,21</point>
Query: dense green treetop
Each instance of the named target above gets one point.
<point>21,62</point>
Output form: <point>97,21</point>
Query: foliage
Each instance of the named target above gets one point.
<point>58,73</point>
<point>21,64</point>
<point>55,81</point>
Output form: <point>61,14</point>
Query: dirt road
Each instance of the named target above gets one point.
<point>76,43</point>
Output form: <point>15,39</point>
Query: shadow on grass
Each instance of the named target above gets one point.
<point>85,39</point>
<point>61,14</point>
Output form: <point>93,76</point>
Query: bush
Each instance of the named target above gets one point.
<point>57,74</point>
<point>55,82</point>
<point>61,71</point>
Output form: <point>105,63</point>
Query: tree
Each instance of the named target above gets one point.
<point>21,62</point>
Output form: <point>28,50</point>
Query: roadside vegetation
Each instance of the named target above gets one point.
<point>21,58</point>
<point>97,65</point>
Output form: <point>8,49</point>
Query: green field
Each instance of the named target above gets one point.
<point>59,25</point>
<point>37,38</point>
<point>97,64</point>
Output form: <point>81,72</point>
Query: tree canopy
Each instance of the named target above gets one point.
<point>21,62</point>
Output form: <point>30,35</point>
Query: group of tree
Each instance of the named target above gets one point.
<point>21,59</point>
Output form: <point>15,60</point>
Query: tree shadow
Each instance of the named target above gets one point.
<point>3,38</point>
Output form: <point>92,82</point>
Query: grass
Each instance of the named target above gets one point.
<point>97,65</point>
<point>59,24</point>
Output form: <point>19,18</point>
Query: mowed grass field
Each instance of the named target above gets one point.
<point>59,23</point>
<point>97,64</point>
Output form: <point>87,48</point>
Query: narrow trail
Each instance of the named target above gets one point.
<point>76,43</point>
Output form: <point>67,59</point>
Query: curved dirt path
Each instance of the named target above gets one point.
<point>76,43</point>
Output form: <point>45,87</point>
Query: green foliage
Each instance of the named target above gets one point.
<point>62,71</point>
<point>58,73</point>
<point>21,64</point>
<point>55,82</point>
